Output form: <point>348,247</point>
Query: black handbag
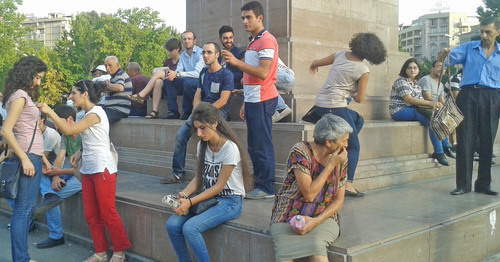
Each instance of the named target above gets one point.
<point>311,116</point>
<point>10,172</point>
<point>203,205</point>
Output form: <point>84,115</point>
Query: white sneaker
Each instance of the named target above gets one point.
<point>277,116</point>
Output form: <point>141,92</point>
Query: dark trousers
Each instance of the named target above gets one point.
<point>481,109</point>
<point>260,142</point>
<point>113,114</point>
<point>180,86</point>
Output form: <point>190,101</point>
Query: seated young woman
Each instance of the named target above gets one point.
<point>222,173</point>
<point>314,188</point>
<point>407,104</point>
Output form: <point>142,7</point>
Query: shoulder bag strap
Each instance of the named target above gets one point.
<point>33,137</point>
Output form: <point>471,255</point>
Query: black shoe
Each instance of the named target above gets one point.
<point>185,116</point>
<point>354,193</point>
<point>486,191</point>
<point>50,201</point>
<point>49,242</point>
<point>440,158</point>
<point>459,191</point>
<point>171,115</point>
<point>172,179</point>
<point>453,148</point>
<point>448,152</point>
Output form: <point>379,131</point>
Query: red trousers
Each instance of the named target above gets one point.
<point>98,192</point>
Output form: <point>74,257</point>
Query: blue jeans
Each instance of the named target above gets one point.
<point>285,84</point>
<point>23,206</point>
<point>181,139</point>
<point>286,81</point>
<point>411,114</point>
<point>189,227</point>
<point>54,221</point>
<point>260,142</point>
<point>180,86</point>
<point>356,121</point>
<point>281,103</point>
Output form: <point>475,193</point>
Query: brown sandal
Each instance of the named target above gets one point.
<point>152,115</point>
<point>137,98</point>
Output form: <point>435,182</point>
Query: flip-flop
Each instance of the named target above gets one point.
<point>354,194</point>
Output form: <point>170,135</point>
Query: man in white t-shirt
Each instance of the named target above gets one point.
<point>51,140</point>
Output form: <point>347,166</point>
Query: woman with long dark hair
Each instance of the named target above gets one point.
<point>222,173</point>
<point>348,79</point>
<point>99,170</point>
<point>21,92</point>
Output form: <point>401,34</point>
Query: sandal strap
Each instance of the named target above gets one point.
<point>151,116</point>
<point>120,258</point>
<point>99,258</point>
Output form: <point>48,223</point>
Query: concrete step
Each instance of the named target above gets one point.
<point>235,103</point>
<point>370,174</point>
<point>413,222</point>
<point>392,152</point>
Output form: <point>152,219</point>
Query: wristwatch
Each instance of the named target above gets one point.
<point>178,75</point>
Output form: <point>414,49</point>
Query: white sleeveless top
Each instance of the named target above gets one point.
<point>96,154</point>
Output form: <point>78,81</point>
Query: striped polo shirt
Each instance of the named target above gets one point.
<point>263,46</point>
<point>119,100</point>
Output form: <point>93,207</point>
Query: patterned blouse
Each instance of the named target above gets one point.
<point>290,202</point>
<point>402,87</point>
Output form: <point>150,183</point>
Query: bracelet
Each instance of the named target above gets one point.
<point>184,194</point>
<point>190,202</point>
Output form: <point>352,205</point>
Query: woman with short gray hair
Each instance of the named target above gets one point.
<point>314,188</point>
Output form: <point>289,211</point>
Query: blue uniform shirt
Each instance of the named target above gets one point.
<point>212,85</point>
<point>477,69</point>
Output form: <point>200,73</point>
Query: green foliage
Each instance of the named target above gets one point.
<point>425,66</point>
<point>11,34</point>
<point>133,35</point>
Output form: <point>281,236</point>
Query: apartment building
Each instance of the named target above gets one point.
<point>432,32</point>
<point>49,29</point>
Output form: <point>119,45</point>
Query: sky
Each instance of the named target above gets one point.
<point>411,9</point>
<point>173,12</point>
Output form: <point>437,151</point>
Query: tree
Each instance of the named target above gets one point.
<point>134,35</point>
<point>492,8</point>
<point>11,34</point>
